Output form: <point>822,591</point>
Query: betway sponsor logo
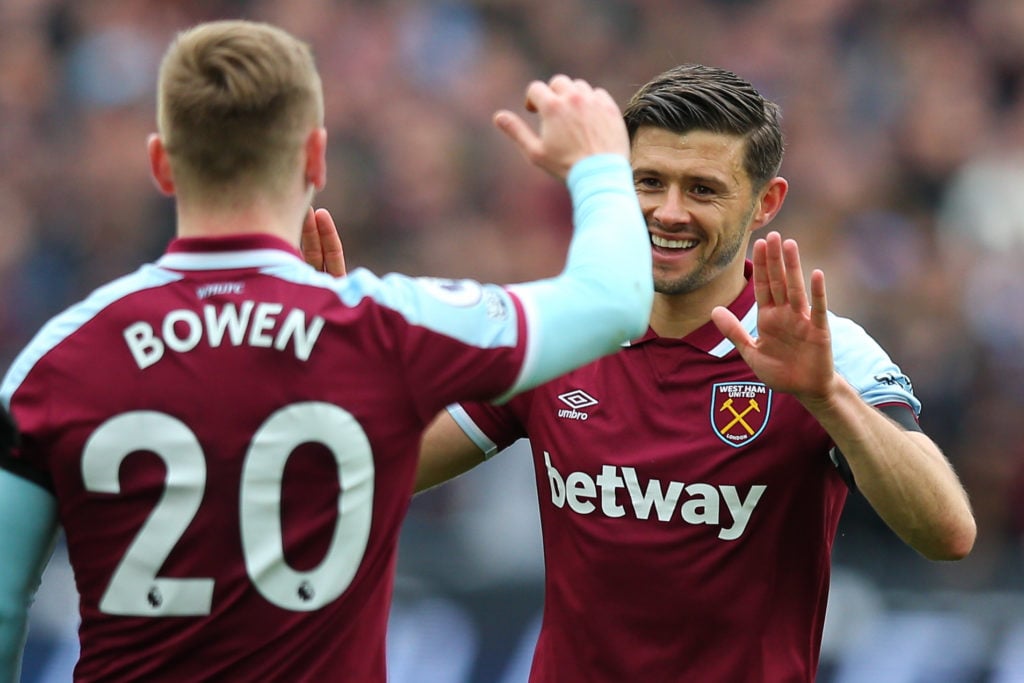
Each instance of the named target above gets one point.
<point>694,503</point>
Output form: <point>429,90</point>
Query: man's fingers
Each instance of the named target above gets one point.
<point>330,243</point>
<point>796,292</point>
<point>576,121</point>
<point>560,83</point>
<point>778,274</point>
<point>776,268</point>
<point>520,133</point>
<point>731,328</point>
<point>320,243</point>
<point>310,241</point>
<point>538,93</point>
<point>762,293</point>
<point>819,302</point>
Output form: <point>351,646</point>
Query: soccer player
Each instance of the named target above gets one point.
<point>229,438</point>
<point>690,486</point>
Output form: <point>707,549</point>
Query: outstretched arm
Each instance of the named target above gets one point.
<point>560,143</point>
<point>903,474</point>
<point>603,296</point>
<point>582,138</point>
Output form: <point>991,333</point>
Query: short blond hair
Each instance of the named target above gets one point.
<point>235,102</point>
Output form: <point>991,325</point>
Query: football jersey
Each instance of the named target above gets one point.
<point>231,438</point>
<point>688,510</point>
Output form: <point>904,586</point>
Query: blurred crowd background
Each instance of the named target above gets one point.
<point>905,132</point>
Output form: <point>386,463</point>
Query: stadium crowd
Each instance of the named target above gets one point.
<point>905,156</point>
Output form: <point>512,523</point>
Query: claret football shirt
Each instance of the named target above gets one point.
<point>232,438</point>
<point>688,511</point>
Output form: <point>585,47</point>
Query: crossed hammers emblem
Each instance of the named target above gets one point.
<point>737,417</point>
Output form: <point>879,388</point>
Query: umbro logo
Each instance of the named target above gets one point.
<point>575,399</point>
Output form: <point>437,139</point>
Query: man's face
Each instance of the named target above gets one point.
<point>698,202</point>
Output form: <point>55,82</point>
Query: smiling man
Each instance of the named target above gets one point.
<point>691,485</point>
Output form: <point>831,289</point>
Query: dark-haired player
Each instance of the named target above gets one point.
<point>690,486</point>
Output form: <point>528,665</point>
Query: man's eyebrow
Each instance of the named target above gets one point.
<point>698,178</point>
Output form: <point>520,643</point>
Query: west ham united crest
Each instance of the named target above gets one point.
<point>739,411</point>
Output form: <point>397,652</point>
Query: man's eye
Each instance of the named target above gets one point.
<point>648,183</point>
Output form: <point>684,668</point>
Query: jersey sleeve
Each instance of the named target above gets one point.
<point>491,427</point>
<point>603,297</point>
<point>450,340</point>
<point>868,368</point>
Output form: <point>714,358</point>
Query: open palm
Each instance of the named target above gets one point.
<point>793,350</point>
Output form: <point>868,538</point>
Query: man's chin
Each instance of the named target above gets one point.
<point>677,285</point>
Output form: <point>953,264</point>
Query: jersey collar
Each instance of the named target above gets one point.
<point>233,251</point>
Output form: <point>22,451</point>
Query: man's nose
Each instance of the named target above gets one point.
<point>673,208</point>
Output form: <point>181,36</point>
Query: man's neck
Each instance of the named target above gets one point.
<point>253,218</point>
<point>677,315</point>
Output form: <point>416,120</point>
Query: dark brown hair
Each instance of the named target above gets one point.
<point>697,97</point>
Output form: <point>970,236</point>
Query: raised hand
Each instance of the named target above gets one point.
<point>576,121</point>
<point>320,243</point>
<point>793,350</point>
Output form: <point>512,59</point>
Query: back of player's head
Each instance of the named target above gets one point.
<point>698,97</point>
<point>236,100</point>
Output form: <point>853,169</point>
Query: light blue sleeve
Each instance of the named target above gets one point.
<point>603,296</point>
<point>28,531</point>
<point>867,367</point>
<point>475,434</point>
<point>600,300</point>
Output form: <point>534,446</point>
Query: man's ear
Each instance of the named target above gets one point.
<point>772,197</point>
<point>316,158</point>
<point>160,165</point>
